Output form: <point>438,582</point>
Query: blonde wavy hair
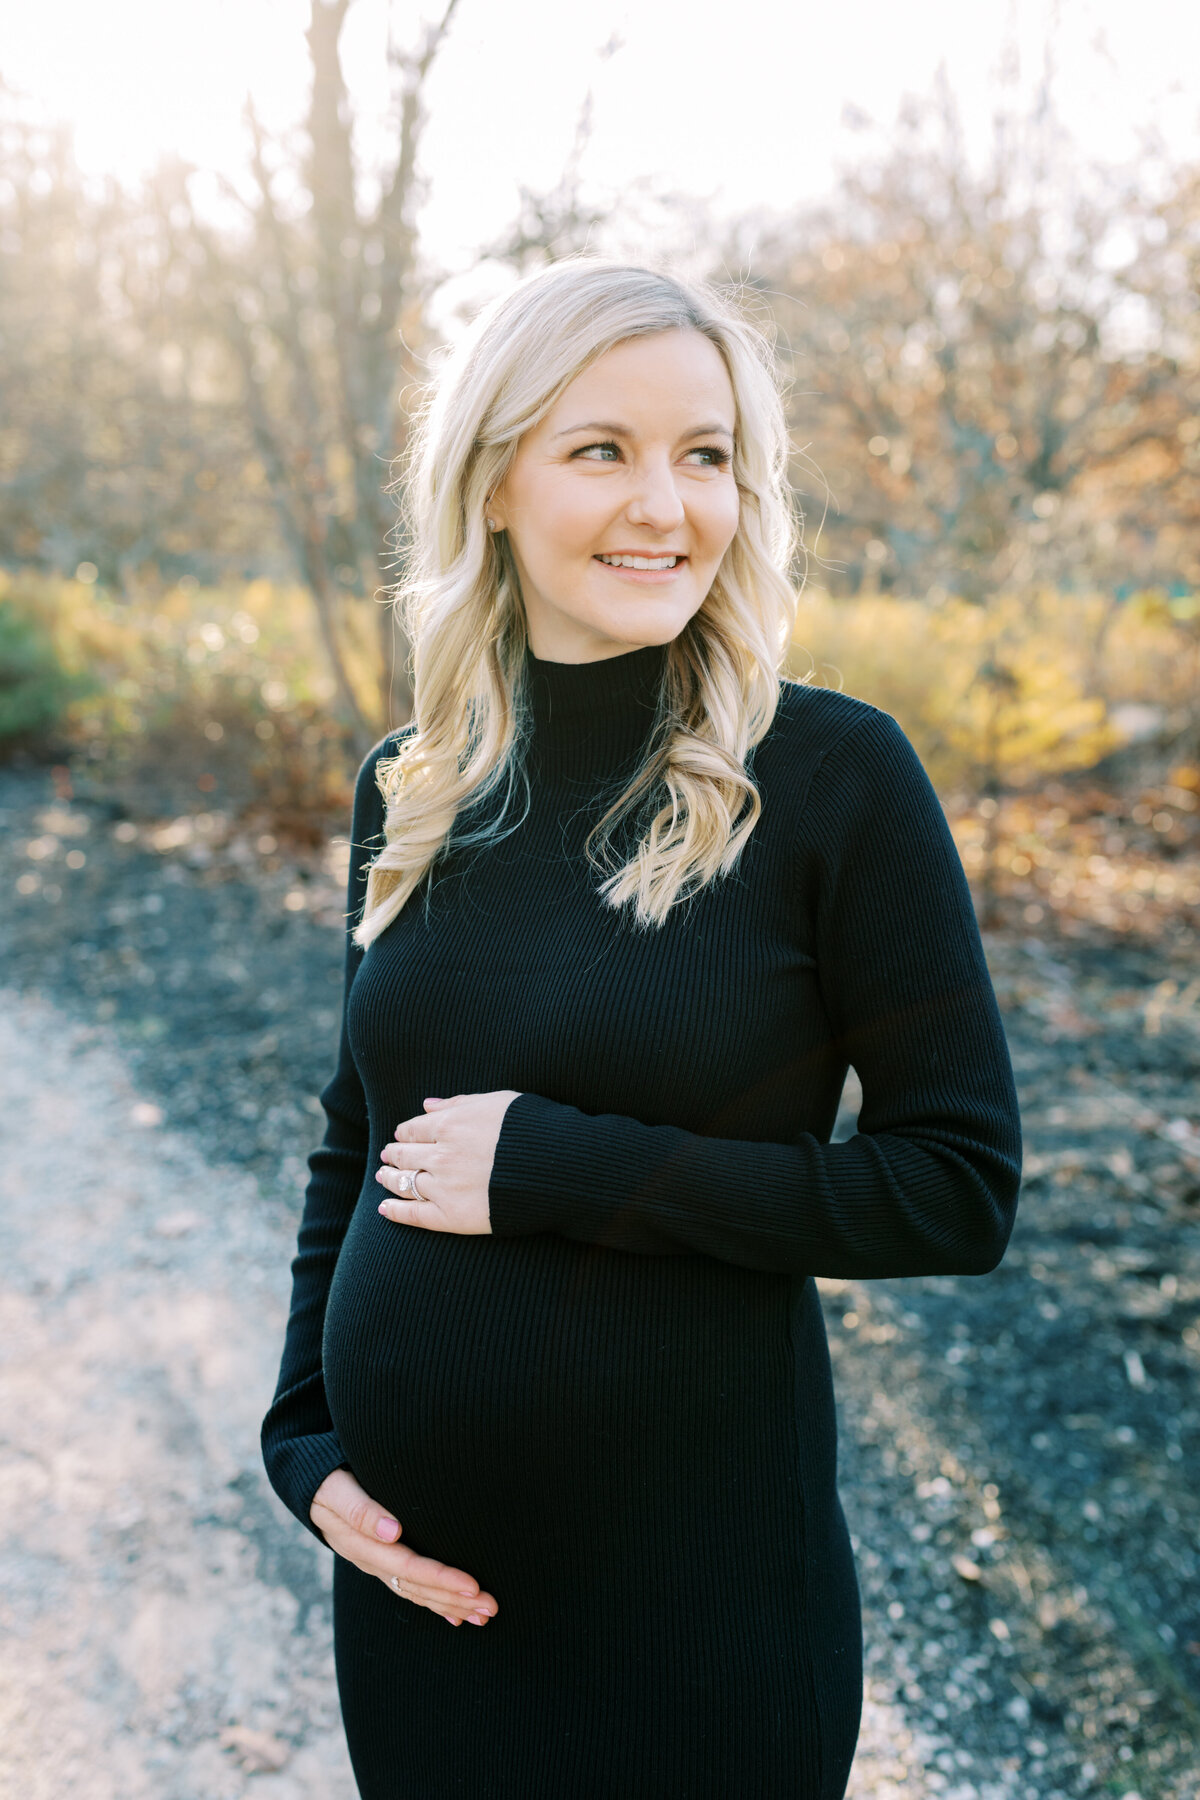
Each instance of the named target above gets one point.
<point>459,600</point>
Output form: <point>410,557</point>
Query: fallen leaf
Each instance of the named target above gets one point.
<point>257,1751</point>
<point>177,1224</point>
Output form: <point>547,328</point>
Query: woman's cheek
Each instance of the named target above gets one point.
<point>726,520</point>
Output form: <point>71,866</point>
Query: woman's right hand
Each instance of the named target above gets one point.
<point>358,1528</point>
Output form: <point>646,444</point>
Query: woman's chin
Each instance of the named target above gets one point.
<point>607,631</point>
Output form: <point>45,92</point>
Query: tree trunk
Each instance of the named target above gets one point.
<point>324,593</point>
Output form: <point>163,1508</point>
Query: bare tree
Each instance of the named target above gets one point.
<point>956,377</point>
<point>109,453</point>
<point>564,219</point>
<point>1162,279</point>
<point>319,303</point>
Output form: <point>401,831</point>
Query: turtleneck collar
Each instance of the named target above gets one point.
<point>588,717</point>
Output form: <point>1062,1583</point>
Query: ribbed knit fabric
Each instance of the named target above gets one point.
<point>616,1410</point>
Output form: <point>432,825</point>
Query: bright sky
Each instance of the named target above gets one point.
<point>744,105</point>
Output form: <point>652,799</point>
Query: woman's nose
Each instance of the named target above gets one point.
<point>656,501</point>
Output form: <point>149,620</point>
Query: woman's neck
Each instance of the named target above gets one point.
<point>587,718</point>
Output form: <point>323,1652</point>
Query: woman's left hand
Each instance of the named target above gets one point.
<point>450,1149</point>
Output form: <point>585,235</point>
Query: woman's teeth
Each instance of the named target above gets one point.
<point>640,562</point>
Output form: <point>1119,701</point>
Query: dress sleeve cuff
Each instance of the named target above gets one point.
<point>299,1466</point>
<point>580,1175</point>
<point>521,1190</point>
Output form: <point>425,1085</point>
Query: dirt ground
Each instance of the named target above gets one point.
<point>1018,1451</point>
<point>155,1608</point>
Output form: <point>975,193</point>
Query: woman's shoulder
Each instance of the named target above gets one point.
<point>388,745</point>
<point>830,756</point>
<point>368,797</point>
<point>810,722</point>
<point>826,712</point>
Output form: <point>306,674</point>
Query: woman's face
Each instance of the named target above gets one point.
<point>633,460</point>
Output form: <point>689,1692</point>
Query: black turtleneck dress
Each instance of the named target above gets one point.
<point>615,1411</point>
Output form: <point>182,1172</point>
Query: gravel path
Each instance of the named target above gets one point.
<point>1018,1451</point>
<point>164,1628</point>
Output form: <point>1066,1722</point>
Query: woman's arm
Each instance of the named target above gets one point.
<point>299,1445</point>
<point>929,1183</point>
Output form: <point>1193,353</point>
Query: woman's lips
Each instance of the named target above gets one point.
<point>645,577</point>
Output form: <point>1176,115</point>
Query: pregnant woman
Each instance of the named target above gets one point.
<point>624,906</point>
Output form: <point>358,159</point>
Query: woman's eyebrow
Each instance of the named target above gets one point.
<point>624,431</point>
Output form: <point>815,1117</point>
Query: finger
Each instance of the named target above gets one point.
<point>406,1155</point>
<point>423,1213</point>
<point>394,1181</point>
<point>374,1521</point>
<point>442,1580</point>
<point>439,1600</point>
<point>415,1187</point>
<point>427,1571</point>
<point>416,1131</point>
<point>454,1611</point>
<point>450,1611</point>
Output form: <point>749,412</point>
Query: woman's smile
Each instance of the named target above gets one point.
<point>644,567</point>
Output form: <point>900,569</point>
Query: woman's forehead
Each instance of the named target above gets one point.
<point>680,374</point>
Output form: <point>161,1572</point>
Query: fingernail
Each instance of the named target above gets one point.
<point>385,1527</point>
<point>479,1618</point>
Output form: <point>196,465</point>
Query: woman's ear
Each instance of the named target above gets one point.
<point>495,516</point>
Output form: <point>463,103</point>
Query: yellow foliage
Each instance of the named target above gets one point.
<point>1017,689</point>
<point>146,654</point>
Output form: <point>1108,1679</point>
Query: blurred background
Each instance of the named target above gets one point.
<point>234,240</point>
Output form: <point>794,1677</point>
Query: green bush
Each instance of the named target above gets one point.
<point>35,689</point>
<point>210,697</point>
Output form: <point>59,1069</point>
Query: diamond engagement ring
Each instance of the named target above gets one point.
<point>407,1183</point>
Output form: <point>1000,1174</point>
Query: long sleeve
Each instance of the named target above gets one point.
<point>299,1445</point>
<point>929,1182</point>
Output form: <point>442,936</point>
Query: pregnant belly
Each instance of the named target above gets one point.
<point>499,1393</point>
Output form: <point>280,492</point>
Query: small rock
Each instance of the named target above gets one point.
<point>256,1751</point>
<point>176,1224</point>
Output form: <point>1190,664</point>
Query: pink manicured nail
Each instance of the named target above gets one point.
<point>385,1527</point>
<point>478,1618</point>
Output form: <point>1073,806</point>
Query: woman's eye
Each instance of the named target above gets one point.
<point>717,456</point>
<point>589,450</point>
